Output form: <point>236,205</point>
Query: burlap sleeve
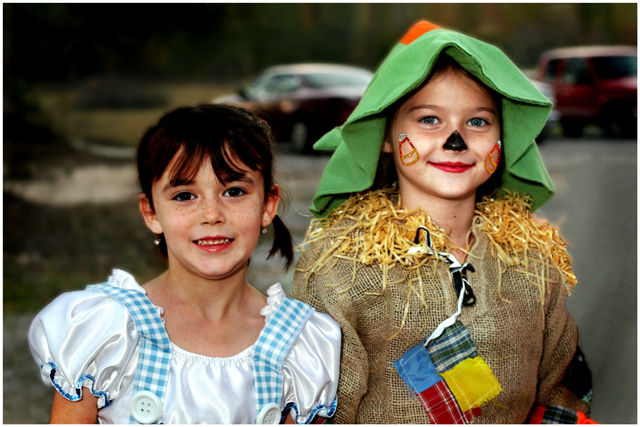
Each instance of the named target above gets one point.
<point>560,344</point>
<point>315,289</point>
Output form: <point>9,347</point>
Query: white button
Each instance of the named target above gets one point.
<point>269,414</point>
<point>146,407</point>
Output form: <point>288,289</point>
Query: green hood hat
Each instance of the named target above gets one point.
<point>358,143</point>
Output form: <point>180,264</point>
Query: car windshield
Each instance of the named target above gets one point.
<point>322,80</point>
<point>615,67</point>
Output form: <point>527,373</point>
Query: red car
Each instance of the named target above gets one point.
<point>301,102</point>
<point>594,85</point>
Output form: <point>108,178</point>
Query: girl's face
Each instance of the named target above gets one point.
<point>211,229</point>
<point>450,102</point>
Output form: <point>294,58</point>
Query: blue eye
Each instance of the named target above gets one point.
<point>234,192</point>
<point>184,196</point>
<point>477,122</point>
<point>429,120</point>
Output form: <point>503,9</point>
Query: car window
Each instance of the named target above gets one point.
<point>576,72</point>
<point>323,80</point>
<point>260,88</point>
<point>615,67</point>
<point>285,83</point>
<point>552,68</point>
<point>272,86</point>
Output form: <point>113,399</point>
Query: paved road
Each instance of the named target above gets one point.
<point>595,206</point>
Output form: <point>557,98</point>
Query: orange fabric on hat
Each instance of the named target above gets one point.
<point>420,28</point>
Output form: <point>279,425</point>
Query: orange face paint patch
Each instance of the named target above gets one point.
<point>420,28</point>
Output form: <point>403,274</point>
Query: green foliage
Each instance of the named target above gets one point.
<point>229,40</point>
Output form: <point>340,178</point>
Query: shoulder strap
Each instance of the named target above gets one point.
<point>154,359</point>
<point>280,332</point>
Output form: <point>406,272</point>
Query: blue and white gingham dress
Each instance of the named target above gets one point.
<point>86,341</point>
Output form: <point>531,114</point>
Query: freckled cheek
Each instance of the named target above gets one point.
<point>247,218</point>
<point>176,221</point>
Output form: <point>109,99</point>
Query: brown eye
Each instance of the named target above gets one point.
<point>234,192</point>
<point>184,196</point>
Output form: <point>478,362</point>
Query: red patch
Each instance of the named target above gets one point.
<point>536,416</point>
<point>420,28</point>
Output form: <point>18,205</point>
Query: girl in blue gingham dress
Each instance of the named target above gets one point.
<point>197,344</point>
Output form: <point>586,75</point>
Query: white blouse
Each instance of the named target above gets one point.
<point>91,340</point>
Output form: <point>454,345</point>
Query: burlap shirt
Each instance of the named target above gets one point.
<point>527,339</point>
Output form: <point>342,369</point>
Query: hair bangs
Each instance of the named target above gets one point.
<point>229,161</point>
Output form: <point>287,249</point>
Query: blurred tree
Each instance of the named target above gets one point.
<point>71,41</point>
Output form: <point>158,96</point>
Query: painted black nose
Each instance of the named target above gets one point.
<point>455,142</point>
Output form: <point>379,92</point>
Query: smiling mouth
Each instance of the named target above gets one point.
<point>454,167</point>
<point>213,242</point>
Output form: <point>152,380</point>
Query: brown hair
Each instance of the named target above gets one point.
<point>387,175</point>
<point>221,134</point>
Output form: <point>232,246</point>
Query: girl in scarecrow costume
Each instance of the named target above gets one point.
<point>451,298</point>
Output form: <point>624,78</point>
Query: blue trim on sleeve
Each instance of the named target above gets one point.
<point>79,386</point>
<point>313,413</point>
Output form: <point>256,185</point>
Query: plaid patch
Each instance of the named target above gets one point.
<point>472,414</point>
<point>451,348</point>
<point>154,359</point>
<point>559,415</point>
<point>441,406</point>
<point>281,330</point>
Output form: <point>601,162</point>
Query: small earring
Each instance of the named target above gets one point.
<point>404,139</point>
<point>489,157</point>
<point>264,230</point>
<point>157,241</point>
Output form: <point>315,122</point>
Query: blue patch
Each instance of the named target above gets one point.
<point>416,369</point>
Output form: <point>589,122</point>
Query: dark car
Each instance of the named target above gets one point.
<point>594,85</point>
<point>301,102</point>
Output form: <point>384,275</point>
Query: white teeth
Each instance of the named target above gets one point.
<point>213,242</point>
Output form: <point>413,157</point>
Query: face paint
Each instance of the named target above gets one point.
<point>455,142</point>
<point>416,156</point>
<point>489,158</point>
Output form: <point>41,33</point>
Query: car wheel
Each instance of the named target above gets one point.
<point>616,121</point>
<point>572,129</point>
<point>619,129</point>
<point>544,134</point>
<point>300,138</point>
<point>614,129</point>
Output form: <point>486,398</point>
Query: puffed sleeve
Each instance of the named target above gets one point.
<point>85,339</point>
<point>311,287</point>
<point>564,378</point>
<point>311,369</point>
